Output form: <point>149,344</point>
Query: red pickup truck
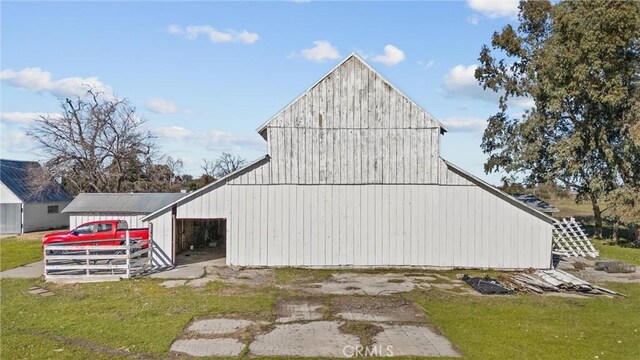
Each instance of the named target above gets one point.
<point>96,231</point>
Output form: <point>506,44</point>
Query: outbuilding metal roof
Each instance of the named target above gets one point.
<point>18,177</point>
<point>137,203</point>
<point>535,202</point>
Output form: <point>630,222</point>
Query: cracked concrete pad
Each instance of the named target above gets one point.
<point>314,339</point>
<point>208,347</point>
<point>218,326</point>
<point>444,286</point>
<point>297,310</point>
<point>376,309</point>
<point>360,284</point>
<point>411,340</point>
<point>243,276</point>
<point>173,283</point>
<point>198,283</point>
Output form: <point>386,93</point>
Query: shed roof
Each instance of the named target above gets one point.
<point>136,203</point>
<point>535,202</point>
<point>17,176</point>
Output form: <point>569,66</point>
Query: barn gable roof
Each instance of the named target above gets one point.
<point>16,175</point>
<point>135,203</point>
<point>219,182</point>
<point>360,61</point>
<point>499,193</point>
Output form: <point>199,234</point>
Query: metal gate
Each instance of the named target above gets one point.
<point>10,218</point>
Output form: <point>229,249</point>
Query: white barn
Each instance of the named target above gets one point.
<point>131,207</point>
<point>26,206</point>
<point>354,176</point>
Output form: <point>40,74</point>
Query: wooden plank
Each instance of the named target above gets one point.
<point>350,156</point>
<point>385,222</point>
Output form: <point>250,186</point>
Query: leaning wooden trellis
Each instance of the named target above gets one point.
<point>569,239</point>
<point>87,261</point>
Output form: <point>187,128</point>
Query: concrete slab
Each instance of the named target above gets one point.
<point>314,339</point>
<point>199,283</point>
<point>173,283</point>
<point>30,271</point>
<point>444,286</point>
<point>208,347</point>
<point>219,326</point>
<point>412,340</point>
<point>297,310</point>
<point>374,309</point>
<point>242,276</point>
<point>188,271</point>
<point>361,284</point>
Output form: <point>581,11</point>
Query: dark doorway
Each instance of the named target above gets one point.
<point>200,240</point>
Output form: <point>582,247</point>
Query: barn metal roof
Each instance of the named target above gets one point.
<point>17,177</point>
<point>535,202</point>
<point>137,203</point>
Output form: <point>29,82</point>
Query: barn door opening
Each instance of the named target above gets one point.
<point>201,240</point>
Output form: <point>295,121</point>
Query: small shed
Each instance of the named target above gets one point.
<point>536,203</point>
<point>131,207</point>
<point>26,206</point>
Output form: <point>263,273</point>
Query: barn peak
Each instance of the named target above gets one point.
<point>352,95</point>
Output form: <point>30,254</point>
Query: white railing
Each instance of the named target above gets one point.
<point>92,260</point>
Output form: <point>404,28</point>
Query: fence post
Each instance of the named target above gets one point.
<point>128,252</point>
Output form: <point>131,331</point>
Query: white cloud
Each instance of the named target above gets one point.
<point>160,106</point>
<point>191,32</point>
<point>460,81</point>
<point>427,64</point>
<point>321,50</point>
<point>16,142</point>
<point>465,124</point>
<point>213,140</point>
<point>24,117</point>
<point>495,8</point>
<point>392,56</point>
<point>37,80</point>
<point>473,19</point>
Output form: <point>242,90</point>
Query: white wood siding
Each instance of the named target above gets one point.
<point>134,220</point>
<point>374,225</point>
<point>353,128</point>
<point>7,196</point>
<point>37,218</point>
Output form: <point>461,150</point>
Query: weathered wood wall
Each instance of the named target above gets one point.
<point>353,128</point>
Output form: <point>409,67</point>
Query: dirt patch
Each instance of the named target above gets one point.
<point>238,275</point>
<point>363,330</point>
<point>369,308</point>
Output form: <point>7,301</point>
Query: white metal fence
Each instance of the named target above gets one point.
<point>96,260</point>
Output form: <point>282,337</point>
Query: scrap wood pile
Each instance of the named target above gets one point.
<point>541,281</point>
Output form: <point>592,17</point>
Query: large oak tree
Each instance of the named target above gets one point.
<point>580,62</point>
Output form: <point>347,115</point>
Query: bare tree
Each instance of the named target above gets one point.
<point>225,164</point>
<point>98,144</point>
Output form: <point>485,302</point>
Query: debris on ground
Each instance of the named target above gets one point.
<point>36,290</point>
<point>487,285</point>
<point>614,267</point>
<point>541,281</point>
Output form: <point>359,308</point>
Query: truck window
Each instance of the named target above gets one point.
<point>122,225</point>
<point>86,229</point>
<point>104,227</point>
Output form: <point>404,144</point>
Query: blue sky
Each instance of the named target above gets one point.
<point>206,74</point>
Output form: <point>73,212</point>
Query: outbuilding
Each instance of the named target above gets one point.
<point>131,207</point>
<point>354,177</point>
<point>26,205</point>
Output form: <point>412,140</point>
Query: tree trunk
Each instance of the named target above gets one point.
<point>616,228</point>
<point>636,232</point>
<point>597,216</point>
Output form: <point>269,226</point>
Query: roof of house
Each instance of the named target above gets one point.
<point>136,203</point>
<point>16,175</point>
<point>535,202</point>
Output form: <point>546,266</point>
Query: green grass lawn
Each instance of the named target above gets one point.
<point>18,251</point>
<point>609,251</point>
